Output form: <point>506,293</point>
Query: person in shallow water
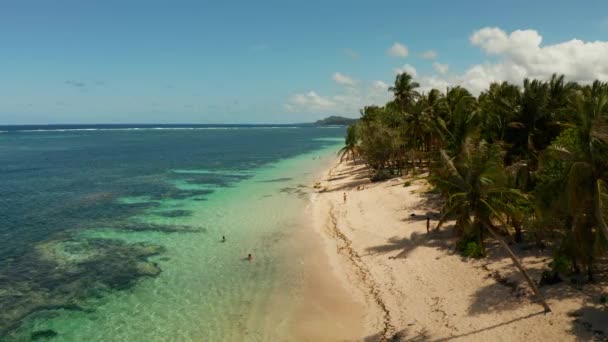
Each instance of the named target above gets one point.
<point>223,238</point>
<point>249,257</point>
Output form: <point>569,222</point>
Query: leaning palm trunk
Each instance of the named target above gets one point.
<point>521,268</point>
<point>599,205</point>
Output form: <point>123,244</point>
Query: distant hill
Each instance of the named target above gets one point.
<point>335,120</point>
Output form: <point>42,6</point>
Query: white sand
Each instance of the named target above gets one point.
<point>414,285</point>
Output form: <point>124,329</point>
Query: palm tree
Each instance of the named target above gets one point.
<point>586,191</point>
<point>405,90</point>
<point>531,120</point>
<point>560,93</point>
<point>433,108</point>
<point>475,182</point>
<point>591,109</point>
<point>498,105</point>
<point>351,143</point>
<point>462,118</point>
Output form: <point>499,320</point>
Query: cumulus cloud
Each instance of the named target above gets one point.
<point>312,101</point>
<point>435,82</point>
<point>514,56</point>
<point>429,54</point>
<point>344,80</point>
<point>347,103</point>
<point>380,85</point>
<point>398,50</point>
<point>521,54</point>
<point>406,68</point>
<point>441,68</point>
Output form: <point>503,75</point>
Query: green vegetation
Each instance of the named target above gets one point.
<point>335,120</point>
<point>522,164</point>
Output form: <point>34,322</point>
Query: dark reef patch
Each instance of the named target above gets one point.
<point>135,226</point>
<point>181,194</point>
<point>64,273</point>
<point>174,213</point>
<point>43,334</point>
<point>276,180</point>
<point>299,191</point>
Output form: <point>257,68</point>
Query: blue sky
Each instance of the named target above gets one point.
<point>270,61</point>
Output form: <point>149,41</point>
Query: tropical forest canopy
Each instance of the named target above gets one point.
<point>524,163</point>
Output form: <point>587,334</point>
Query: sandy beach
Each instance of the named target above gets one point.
<point>414,287</point>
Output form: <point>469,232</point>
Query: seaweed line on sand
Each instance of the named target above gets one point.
<point>362,272</point>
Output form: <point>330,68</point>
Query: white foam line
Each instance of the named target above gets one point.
<point>150,129</point>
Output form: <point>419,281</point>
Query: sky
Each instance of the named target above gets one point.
<point>275,61</point>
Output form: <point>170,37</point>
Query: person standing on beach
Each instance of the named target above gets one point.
<point>428,224</point>
<point>345,197</point>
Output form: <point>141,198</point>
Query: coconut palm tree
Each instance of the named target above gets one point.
<point>497,107</point>
<point>586,191</point>
<point>351,144</point>
<point>475,182</point>
<point>433,104</point>
<point>560,93</point>
<point>404,90</point>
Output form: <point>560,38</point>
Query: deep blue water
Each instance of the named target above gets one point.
<point>55,180</point>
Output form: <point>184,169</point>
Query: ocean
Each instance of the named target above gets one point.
<point>114,233</point>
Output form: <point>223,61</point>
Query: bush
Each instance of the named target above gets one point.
<point>473,250</point>
<point>560,263</point>
<point>381,175</point>
<point>469,247</point>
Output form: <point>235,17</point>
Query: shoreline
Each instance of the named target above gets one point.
<point>415,287</point>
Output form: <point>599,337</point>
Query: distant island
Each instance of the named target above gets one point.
<point>335,120</point>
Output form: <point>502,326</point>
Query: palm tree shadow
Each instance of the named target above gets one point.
<point>401,336</point>
<point>470,333</point>
<point>433,215</point>
<point>499,296</point>
<point>436,239</point>
<point>349,185</point>
<point>511,292</point>
<point>590,319</point>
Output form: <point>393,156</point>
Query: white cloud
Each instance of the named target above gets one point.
<point>347,103</point>
<point>380,85</point>
<point>344,80</point>
<point>441,68</point>
<point>351,53</point>
<point>520,54</point>
<point>406,68</point>
<point>398,50</point>
<point>434,82</point>
<point>429,54</point>
<point>311,100</point>
<point>515,56</point>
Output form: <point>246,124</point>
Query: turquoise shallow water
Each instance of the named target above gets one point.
<point>206,290</point>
